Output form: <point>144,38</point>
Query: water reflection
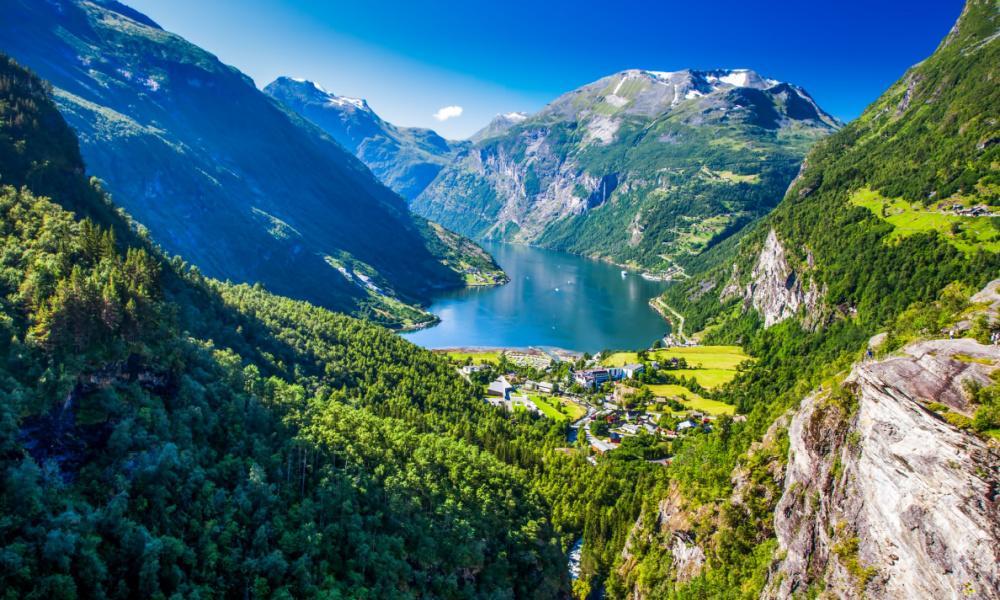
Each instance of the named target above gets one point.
<point>553,299</point>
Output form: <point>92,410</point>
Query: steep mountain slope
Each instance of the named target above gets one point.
<point>893,207</point>
<point>404,158</point>
<point>867,464</point>
<point>219,172</point>
<point>642,167</point>
<point>165,435</point>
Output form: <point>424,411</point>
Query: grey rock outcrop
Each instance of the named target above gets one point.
<point>775,289</point>
<point>885,499</point>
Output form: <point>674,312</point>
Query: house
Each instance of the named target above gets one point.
<point>632,371</point>
<point>530,385</point>
<point>667,433</point>
<point>630,429</point>
<point>547,387</point>
<point>600,446</point>
<point>500,387</point>
<point>470,369</point>
<point>685,425</point>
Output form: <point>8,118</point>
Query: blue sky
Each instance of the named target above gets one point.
<point>412,58</point>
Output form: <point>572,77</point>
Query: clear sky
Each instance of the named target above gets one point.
<point>411,58</point>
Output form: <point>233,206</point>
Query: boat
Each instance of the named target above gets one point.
<point>624,274</point>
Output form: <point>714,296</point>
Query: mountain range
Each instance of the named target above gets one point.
<point>164,433</point>
<point>641,167</point>
<point>226,177</point>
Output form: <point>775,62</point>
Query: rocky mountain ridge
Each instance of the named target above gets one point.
<point>406,159</point>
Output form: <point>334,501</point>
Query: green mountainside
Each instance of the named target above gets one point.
<point>641,167</point>
<point>875,218</point>
<point>163,434</point>
<point>221,174</point>
<point>804,291</point>
<point>406,159</point>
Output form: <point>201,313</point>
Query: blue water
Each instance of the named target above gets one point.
<point>554,299</point>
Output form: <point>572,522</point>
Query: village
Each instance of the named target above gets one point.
<point>633,405</point>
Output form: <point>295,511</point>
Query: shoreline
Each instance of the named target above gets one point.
<point>561,353</point>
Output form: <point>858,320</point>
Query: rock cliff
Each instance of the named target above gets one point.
<point>882,497</point>
<point>775,289</point>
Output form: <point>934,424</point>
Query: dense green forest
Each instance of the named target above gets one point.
<point>165,434</point>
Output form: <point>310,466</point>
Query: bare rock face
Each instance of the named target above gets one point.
<point>670,529</point>
<point>775,290</point>
<point>884,499</point>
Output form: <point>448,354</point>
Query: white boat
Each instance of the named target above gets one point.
<point>624,274</point>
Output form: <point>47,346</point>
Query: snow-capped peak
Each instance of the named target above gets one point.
<point>739,78</point>
<point>345,101</point>
<point>322,94</point>
<point>516,117</point>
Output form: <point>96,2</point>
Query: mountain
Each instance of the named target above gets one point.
<point>222,174</point>
<point>404,158</point>
<point>885,213</point>
<point>500,125</point>
<point>641,167</point>
<point>866,466</point>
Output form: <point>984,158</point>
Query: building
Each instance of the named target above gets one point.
<point>600,446</point>
<point>470,369</point>
<point>500,387</point>
<point>685,425</point>
<point>547,387</point>
<point>594,378</point>
<point>632,371</point>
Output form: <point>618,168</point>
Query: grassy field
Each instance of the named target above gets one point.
<point>547,404</point>
<point>709,378</point>
<point>478,358</point>
<point>711,366</point>
<point>692,400</point>
<point>908,219</point>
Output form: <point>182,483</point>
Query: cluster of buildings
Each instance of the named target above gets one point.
<point>591,379</point>
<point>500,393</point>
<point>979,210</point>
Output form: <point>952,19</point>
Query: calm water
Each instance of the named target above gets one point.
<point>554,299</point>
